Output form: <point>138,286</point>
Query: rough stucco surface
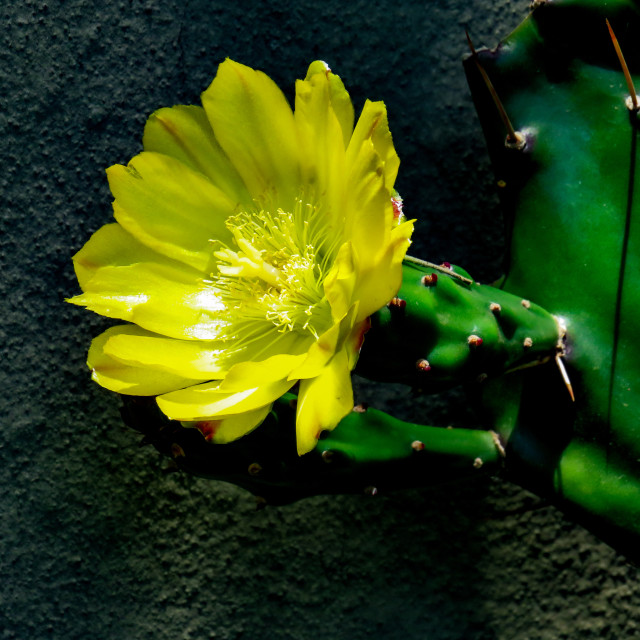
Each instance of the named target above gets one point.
<point>97,540</point>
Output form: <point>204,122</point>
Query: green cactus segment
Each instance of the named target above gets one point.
<point>572,212</point>
<point>570,195</point>
<point>443,330</point>
<point>369,452</point>
<point>603,493</point>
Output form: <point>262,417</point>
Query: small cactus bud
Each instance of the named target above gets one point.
<point>423,365</point>
<point>416,445</point>
<point>474,340</point>
<point>254,469</point>
<point>481,378</point>
<point>446,265</point>
<point>494,307</point>
<point>526,304</point>
<point>430,279</point>
<point>360,408</point>
<point>370,491</point>
<point>527,343</point>
<point>477,463</point>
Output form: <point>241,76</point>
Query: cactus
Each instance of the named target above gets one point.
<point>566,176</point>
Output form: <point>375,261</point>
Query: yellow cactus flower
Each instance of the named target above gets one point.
<point>251,244</point>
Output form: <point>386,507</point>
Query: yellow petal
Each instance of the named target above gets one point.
<point>165,299</point>
<point>379,282</point>
<point>340,100</point>
<point>208,400</point>
<point>230,428</point>
<point>252,374</point>
<point>194,359</point>
<point>373,125</point>
<point>123,378</point>
<point>184,133</point>
<point>340,282</point>
<point>369,212</point>
<point>111,245</point>
<point>327,345</point>
<point>254,124</point>
<point>323,401</point>
<point>170,208</point>
<point>323,147</point>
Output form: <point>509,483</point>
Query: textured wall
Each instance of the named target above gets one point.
<point>96,539</point>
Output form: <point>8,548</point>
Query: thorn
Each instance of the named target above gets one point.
<point>327,456</point>
<point>632,104</point>
<point>254,469</point>
<point>514,139</point>
<point>423,365</point>
<point>177,451</point>
<point>442,268</point>
<point>526,304</point>
<point>527,343</point>
<point>416,445</point>
<point>494,307</point>
<point>430,279</point>
<point>481,378</point>
<point>497,440</point>
<point>565,376</point>
<point>360,408</point>
<point>397,303</point>
<point>370,491</point>
<point>477,463</point>
<point>474,340</point>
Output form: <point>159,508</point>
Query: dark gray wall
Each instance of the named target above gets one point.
<point>96,539</point>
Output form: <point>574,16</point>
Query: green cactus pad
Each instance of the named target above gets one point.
<point>571,203</point>
<point>444,329</point>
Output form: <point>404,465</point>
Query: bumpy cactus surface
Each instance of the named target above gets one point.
<point>568,186</point>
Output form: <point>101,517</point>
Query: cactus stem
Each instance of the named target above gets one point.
<point>437,267</point>
<point>565,376</point>
<point>514,139</point>
<point>494,307</point>
<point>430,279</point>
<point>632,102</point>
<point>527,343</point>
<point>417,445</point>
<point>423,365</point>
<point>474,340</point>
<point>254,469</point>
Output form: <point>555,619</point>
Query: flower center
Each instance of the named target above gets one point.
<point>274,275</point>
